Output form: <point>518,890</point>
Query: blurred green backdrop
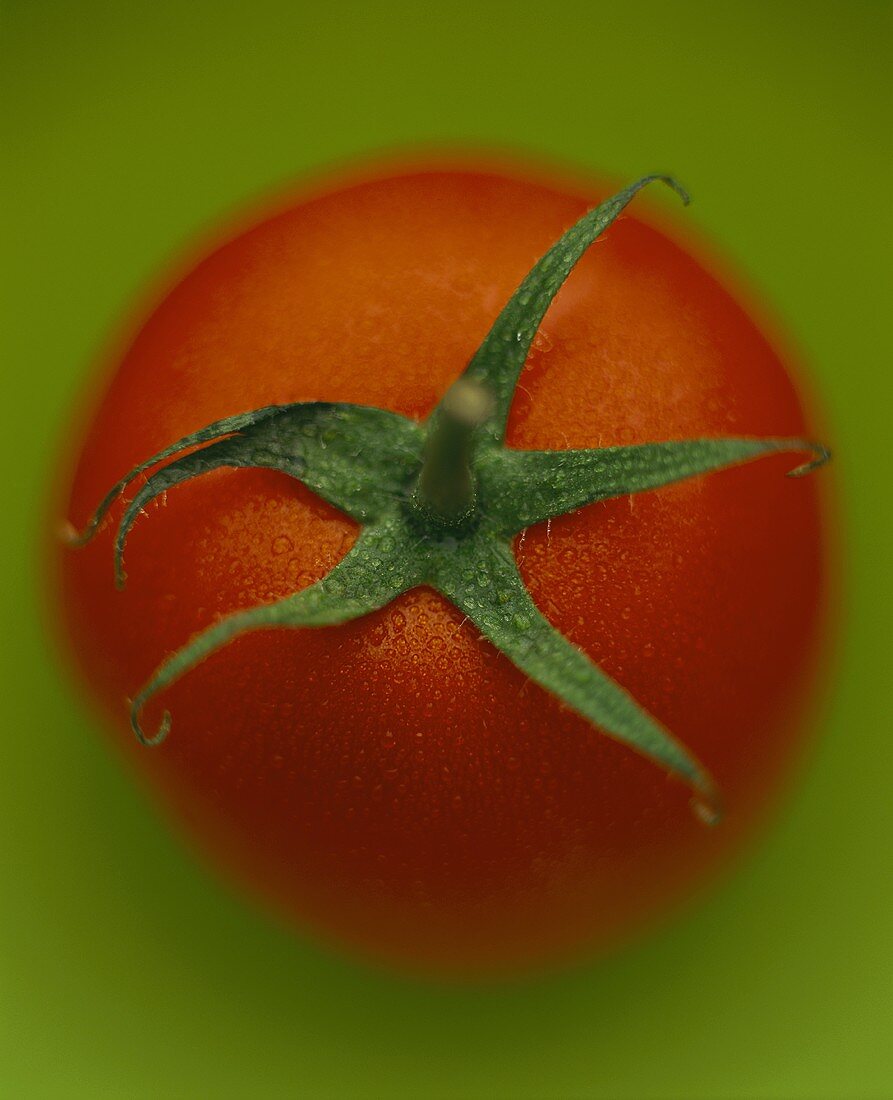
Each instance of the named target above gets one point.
<point>128,130</point>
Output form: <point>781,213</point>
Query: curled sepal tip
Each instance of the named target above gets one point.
<point>498,603</point>
<point>821,456</point>
<point>164,727</point>
<point>69,534</point>
<point>556,482</point>
<point>356,586</point>
<point>707,808</point>
<point>676,186</point>
<point>73,537</point>
<point>498,361</point>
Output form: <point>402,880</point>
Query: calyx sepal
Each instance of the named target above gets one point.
<point>439,503</point>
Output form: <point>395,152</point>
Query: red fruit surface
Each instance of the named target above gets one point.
<point>395,784</point>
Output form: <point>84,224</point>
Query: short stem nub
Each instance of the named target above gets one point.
<point>445,493</point>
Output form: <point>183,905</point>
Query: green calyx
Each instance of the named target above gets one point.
<point>439,503</point>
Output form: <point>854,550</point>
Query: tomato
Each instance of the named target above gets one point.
<point>396,782</point>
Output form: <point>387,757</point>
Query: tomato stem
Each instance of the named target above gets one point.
<point>446,491</point>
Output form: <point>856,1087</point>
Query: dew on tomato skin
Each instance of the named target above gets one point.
<point>542,342</point>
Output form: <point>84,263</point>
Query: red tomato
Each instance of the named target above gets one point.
<point>396,783</point>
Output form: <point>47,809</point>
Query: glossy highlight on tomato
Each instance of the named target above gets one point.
<point>395,783</point>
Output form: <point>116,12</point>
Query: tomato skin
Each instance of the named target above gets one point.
<point>395,783</point>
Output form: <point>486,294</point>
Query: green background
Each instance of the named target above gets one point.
<point>132,127</point>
